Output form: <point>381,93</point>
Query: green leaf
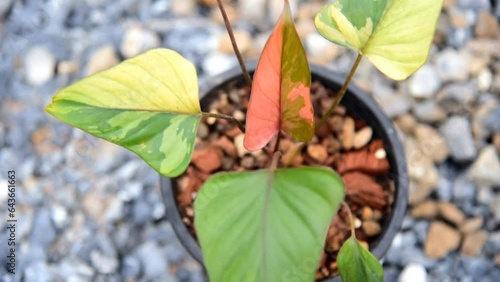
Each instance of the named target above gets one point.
<point>355,263</point>
<point>148,104</point>
<point>280,98</point>
<point>266,226</point>
<point>394,35</point>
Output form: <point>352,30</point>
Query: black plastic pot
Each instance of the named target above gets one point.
<point>359,104</point>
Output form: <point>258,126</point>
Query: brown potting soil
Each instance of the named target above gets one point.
<point>344,143</point>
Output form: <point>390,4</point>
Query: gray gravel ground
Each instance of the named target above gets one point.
<point>88,210</point>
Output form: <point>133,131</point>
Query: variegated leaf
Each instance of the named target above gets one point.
<point>395,35</point>
<point>148,104</point>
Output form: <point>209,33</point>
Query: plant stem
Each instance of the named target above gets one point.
<point>351,218</point>
<point>275,160</point>
<point>233,42</point>
<point>226,117</point>
<point>341,93</point>
<point>277,144</point>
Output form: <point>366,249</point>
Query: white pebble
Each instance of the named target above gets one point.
<point>39,65</point>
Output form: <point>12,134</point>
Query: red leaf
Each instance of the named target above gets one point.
<point>280,97</point>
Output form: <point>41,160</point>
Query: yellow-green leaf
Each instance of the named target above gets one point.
<point>395,35</point>
<point>148,104</point>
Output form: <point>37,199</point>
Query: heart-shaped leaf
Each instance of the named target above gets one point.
<point>280,97</point>
<point>394,35</point>
<point>355,263</point>
<point>148,104</point>
<point>266,226</point>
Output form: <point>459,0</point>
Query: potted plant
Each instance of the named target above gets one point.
<point>267,224</point>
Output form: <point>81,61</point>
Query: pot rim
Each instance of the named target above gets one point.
<point>396,157</point>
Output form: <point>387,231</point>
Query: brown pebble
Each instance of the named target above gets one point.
<point>371,228</point>
<point>471,225</point>
<point>441,240</point>
<point>227,146</point>
<point>348,133</point>
<point>367,213</point>
<point>362,137</point>
<point>207,159</point>
<point>473,243</point>
<point>406,123</point>
<point>317,152</point>
<point>427,209</point>
<point>203,131</point>
<point>496,142</point>
<point>451,213</point>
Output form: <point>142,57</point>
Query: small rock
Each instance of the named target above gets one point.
<point>395,104</point>
<point>39,271</point>
<point>431,142</point>
<point>154,263</point>
<point>413,273</point>
<point>239,115</point>
<point>348,133</point>
<point>362,137</point>
<point>491,121</point>
<point>478,63</point>
<point>421,227</point>
<point>487,25</point>
<point>137,40</point>
<point>42,232</point>
<point>203,130</point>
<point>471,225</point>
<point>102,59</point>
<point>75,270</point>
<point>452,65</point>
<point>441,240</point>
<point>252,11</point>
<point>231,12</point>
<point>183,7</point>
<point>427,209</point>
<point>484,80</point>
<point>317,152</point>
<point>217,63</point>
<point>371,228</point>
<point>59,216</point>
<point>463,188</point>
<point>131,267</point>
<point>39,65</point>
<point>243,39</point>
<point>425,82</point>
<point>4,7</point>
<point>238,142</point>
<point>207,159</point>
<point>429,111</point>
<point>103,263</point>
<point>473,243</point>
<point>458,134</point>
<point>367,213</point>
<point>406,123</point>
<point>496,142</point>
<point>451,213</point>
<point>486,169</point>
<point>321,49</point>
<point>227,146</point>
<point>67,67</point>
<point>424,175</point>
<point>457,98</point>
<point>418,192</point>
<point>495,207</point>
